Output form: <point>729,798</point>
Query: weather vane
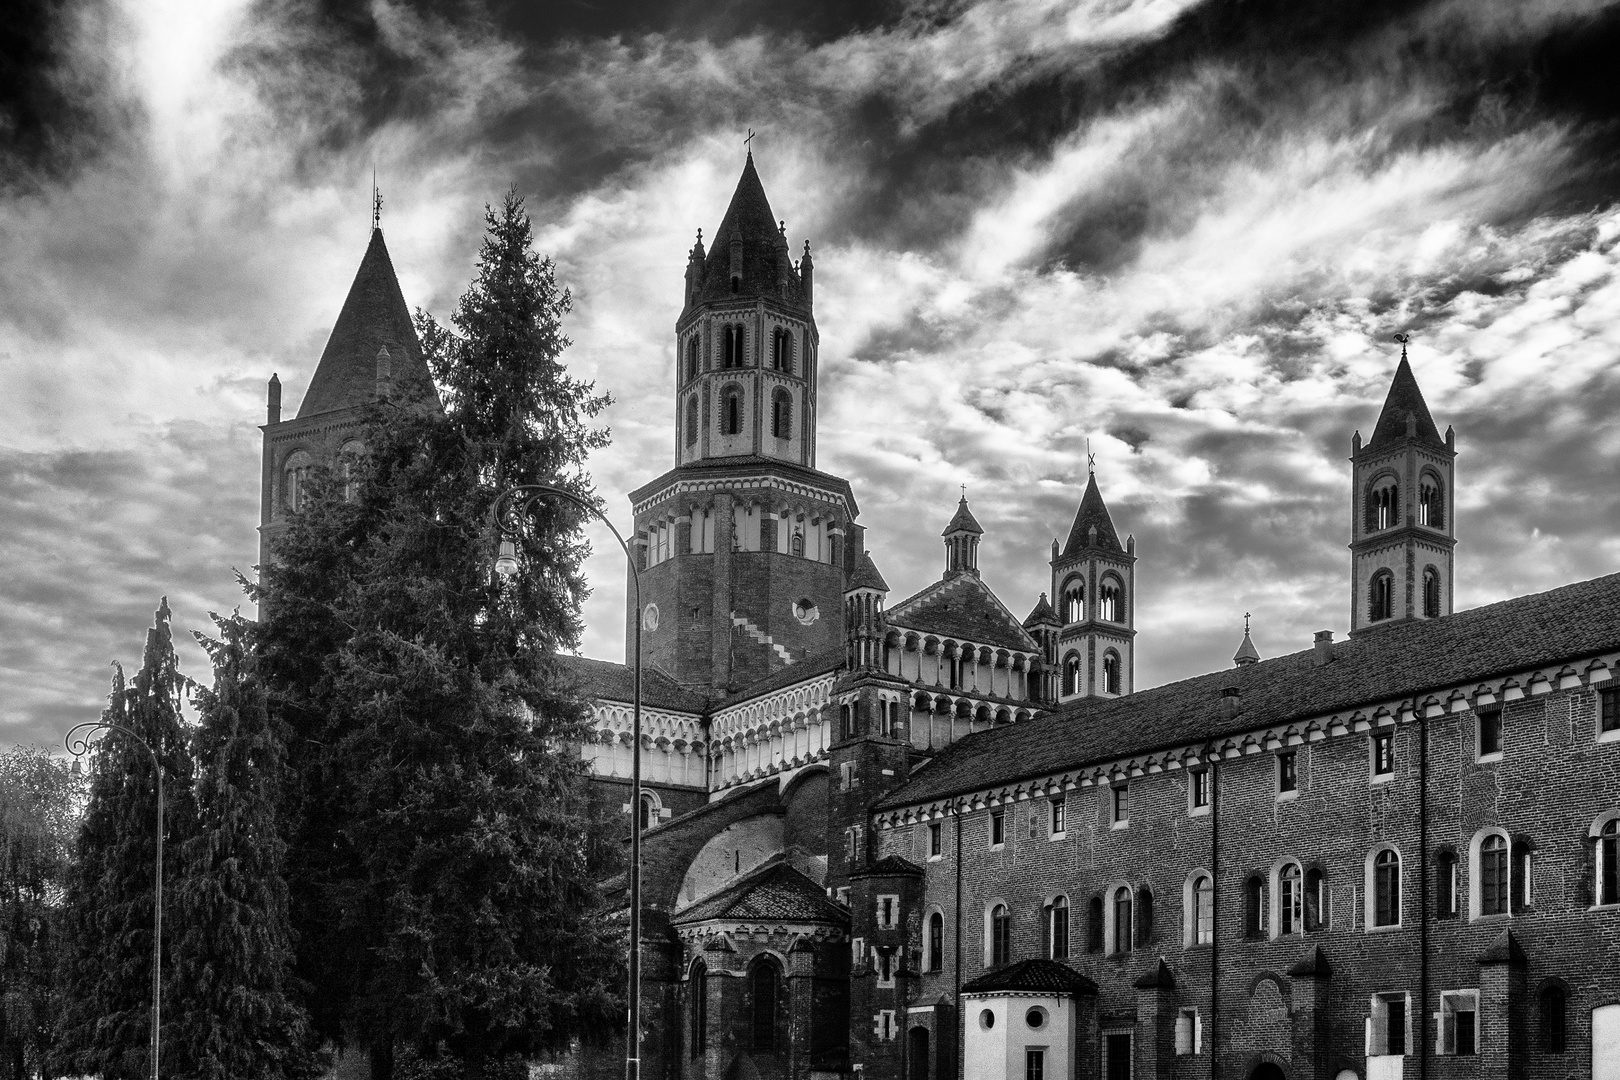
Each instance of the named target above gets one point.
<point>376,201</point>
<point>749,142</point>
<point>1403,339</point>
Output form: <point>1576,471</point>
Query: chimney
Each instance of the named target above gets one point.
<point>1324,647</point>
<point>273,407</point>
<point>1231,702</point>
<point>385,371</point>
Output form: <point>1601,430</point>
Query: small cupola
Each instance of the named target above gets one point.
<point>1247,654</point>
<point>962,541</point>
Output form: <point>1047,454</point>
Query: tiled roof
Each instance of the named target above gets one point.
<point>764,248</point>
<point>748,466</point>
<point>1031,976</point>
<point>962,607</point>
<point>1092,512</point>
<point>374,316</point>
<point>1404,399</point>
<point>890,866</point>
<point>615,682</point>
<point>797,672</point>
<point>867,576</point>
<point>1043,613</point>
<point>963,521</point>
<point>775,892</point>
<point>1396,661</point>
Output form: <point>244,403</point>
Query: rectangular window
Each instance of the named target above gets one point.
<point>1189,1033</point>
<point>1117,1055</point>
<point>1122,805</point>
<point>1199,787</point>
<point>851,843</point>
<point>1459,1023</point>
<point>1490,730</point>
<point>1445,886</point>
<point>1287,776</point>
<point>1057,816</point>
<point>998,828</point>
<point>883,959</point>
<point>1609,710</point>
<point>888,912</point>
<point>1386,1027</point>
<point>934,840</point>
<point>1383,746</point>
<point>1035,1064</point>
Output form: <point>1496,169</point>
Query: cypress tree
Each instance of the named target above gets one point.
<point>234,1018</point>
<point>106,1028</point>
<point>445,853</point>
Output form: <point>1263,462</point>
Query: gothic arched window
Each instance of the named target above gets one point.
<point>731,345</point>
<point>936,941</point>
<point>1000,935</point>
<point>731,407</point>
<point>1493,875</point>
<point>691,420</point>
<point>1290,900</point>
<point>1381,596</point>
<point>1057,938</point>
<point>1071,673</point>
<point>295,477</point>
<point>1202,930</point>
<point>1431,502</point>
<point>1074,601</point>
<point>349,461</point>
<point>764,984</point>
<point>1431,593</point>
<point>1386,888</point>
<point>1110,672</point>
<point>1383,504</point>
<point>782,350</point>
<point>782,415</point>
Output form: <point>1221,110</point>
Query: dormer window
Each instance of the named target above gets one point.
<point>1383,505</point>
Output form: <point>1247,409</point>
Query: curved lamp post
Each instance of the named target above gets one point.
<point>77,742</point>
<point>511,509</point>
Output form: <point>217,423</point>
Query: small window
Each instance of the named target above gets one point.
<point>1094,925</point>
<point>1609,710</point>
<point>1198,788</point>
<point>998,828</point>
<point>1386,888</point>
<point>1383,754</point>
<point>1381,597</point>
<point>698,992</point>
<point>1122,920</point>
<point>1000,935</point>
<point>731,411</point>
<point>1122,805</point>
<point>936,941</point>
<point>888,912</point>
<point>1287,773</point>
<point>1071,674</point>
<point>1034,1064</point>
<point>883,960</point>
<point>1445,885</point>
<point>1074,602</point>
<point>781,415</point>
<point>1315,900</point>
<point>1189,1033</point>
<point>691,421</point>
<point>1386,1032</point>
<point>1490,730</point>
<point>1203,928</point>
<point>1110,672</point>
<point>1431,593</point>
<point>1254,907</point>
<point>1057,810</point>
<point>1108,602</point>
<point>1058,930</point>
<point>852,844</point>
<point>1459,1023</point>
<point>934,840</point>
<point>1520,876</point>
<point>1608,860</point>
<point>693,364</point>
<point>1554,1004</point>
<point>1290,900</point>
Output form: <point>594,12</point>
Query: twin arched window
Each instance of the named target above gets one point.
<point>731,346</point>
<point>1110,602</point>
<point>1071,673</point>
<point>1074,601</point>
<point>782,350</point>
<point>1431,507</point>
<point>1381,596</point>
<point>1383,504</point>
<point>295,478</point>
<point>731,410</point>
<point>782,415</point>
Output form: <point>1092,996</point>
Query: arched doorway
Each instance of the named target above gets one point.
<point>917,1052</point>
<point>1267,1070</point>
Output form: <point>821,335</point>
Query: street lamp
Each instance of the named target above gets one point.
<point>77,742</point>
<point>511,509</point>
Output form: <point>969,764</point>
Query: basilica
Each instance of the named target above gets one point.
<point>922,838</point>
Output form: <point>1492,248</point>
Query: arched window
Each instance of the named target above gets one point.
<point>1110,601</point>
<point>936,942</point>
<point>731,406</point>
<point>1554,1002</point>
<point>649,810</point>
<point>1254,906</point>
<point>1493,875</point>
<point>1431,505</point>
<point>1381,596</point>
<point>1071,673</point>
<point>1384,890</point>
<point>782,415</point>
<point>350,459</point>
<point>691,420</point>
<point>1315,895</point>
<point>1201,911</point>
<point>1522,894</point>
<point>1122,920</point>
<point>697,990</point>
<point>1110,673</point>
<point>1383,504</point>
<point>731,345</point>
<point>295,477</point>
<point>694,364</point>
<point>1074,601</point>
<point>1000,935</point>
<point>1608,862</point>
<point>782,350</point>
<point>796,544</point>
<point>1431,593</point>
<point>1058,928</point>
<point>1290,900</point>
<point>1144,916</point>
<point>1445,884</point>
<point>763,984</point>
<point>1094,925</point>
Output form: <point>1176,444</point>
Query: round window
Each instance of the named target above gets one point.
<point>649,618</point>
<point>805,610</point>
<point>1036,1017</point>
<point>987,1019</point>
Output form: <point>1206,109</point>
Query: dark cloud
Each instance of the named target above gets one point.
<point>58,103</point>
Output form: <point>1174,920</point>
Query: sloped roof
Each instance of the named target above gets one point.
<point>1043,613</point>
<point>890,866</point>
<point>867,576</point>
<point>750,220</point>
<point>373,317</point>
<point>1404,399</point>
<point>1247,653</point>
<point>775,892</point>
<point>1093,511</point>
<point>963,521</point>
<point>1031,976</point>
<point>1400,660</point>
<point>796,672</point>
<point>616,682</point>
<point>962,607</point>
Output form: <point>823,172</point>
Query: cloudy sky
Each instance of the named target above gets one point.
<point>1182,229</point>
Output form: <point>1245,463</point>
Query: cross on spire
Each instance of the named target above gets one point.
<point>749,142</point>
<point>1245,624</point>
<point>376,201</point>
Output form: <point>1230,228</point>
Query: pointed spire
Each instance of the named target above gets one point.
<point>745,256</point>
<point>1405,412</point>
<point>963,521</point>
<point>1092,526</point>
<point>1043,614</point>
<point>1247,653</point>
<point>867,576</point>
<point>374,316</point>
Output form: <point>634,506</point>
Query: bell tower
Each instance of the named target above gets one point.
<point>1094,580</point>
<point>1402,521</point>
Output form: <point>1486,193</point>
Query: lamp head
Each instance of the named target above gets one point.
<point>506,563</point>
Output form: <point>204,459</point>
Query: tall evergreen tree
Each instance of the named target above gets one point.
<point>38,820</point>
<point>444,857</point>
<point>234,1018</point>
<point>106,1027</point>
